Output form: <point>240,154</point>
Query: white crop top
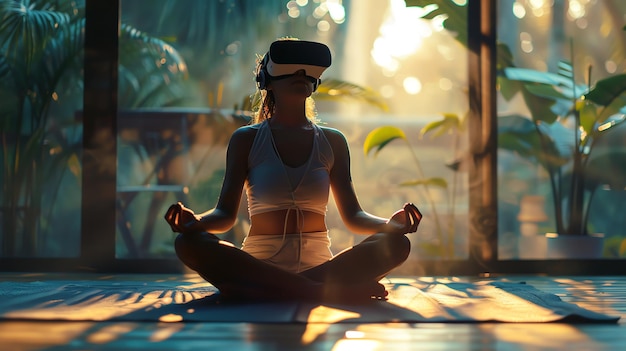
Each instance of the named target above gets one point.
<point>272,185</point>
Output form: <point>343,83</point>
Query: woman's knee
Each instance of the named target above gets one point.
<point>395,248</point>
<point>184,250</point>
<point>402,247</point>
<point>398,246</point>
<point>192,249</point>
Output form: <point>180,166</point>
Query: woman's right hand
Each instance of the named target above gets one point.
<point>181,219</point>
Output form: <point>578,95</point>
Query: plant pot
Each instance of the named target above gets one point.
<point>574,246</point>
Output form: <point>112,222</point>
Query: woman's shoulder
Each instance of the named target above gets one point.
<point>243,137</point>
<point>333,135</point>
<point>247,131</point>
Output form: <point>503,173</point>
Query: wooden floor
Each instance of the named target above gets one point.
<point>600,294</point>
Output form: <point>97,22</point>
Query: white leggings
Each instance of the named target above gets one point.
<point>291,252</point>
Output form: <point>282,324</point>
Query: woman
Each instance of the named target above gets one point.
<point>288,164</point>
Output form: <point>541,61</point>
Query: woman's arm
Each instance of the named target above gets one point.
<point>223,216</point>
<point>355,218</point>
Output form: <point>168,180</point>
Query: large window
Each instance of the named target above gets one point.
<point>561,151</point>
<point>422,89</point>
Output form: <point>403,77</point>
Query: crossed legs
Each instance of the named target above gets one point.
<point>352,274</point>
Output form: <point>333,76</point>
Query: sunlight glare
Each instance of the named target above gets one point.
<point>393,41</point>
<point>387,91</point>
<point>518,10</point>
<point>171,318</point>
<point>356,344</point>
<point>446,51</point>
<point>437,23</point>
<point>412,85</point>
<point>445,84</point>
<point>294,12</point>
<point>108,333</point>
<point>336,10</point>
<point>354,334</point>
<point>610,66</point>
<point>526,43</point>
<point>576,9</point>
<point>537,4</point>
<point>165,331</point>
<point>323,26</point>
<point>545,335</point>
<point>320,11</point>
<point>319,320</point>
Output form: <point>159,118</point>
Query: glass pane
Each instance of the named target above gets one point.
<point>41,89</point>
<point>390,68</point>
<point>561,157</point>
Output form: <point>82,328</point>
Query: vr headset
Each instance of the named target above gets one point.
<point>286,57</point>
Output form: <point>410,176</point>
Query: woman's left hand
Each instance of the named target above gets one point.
<point>405,220</point>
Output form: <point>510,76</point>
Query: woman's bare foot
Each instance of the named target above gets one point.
<point>354,293</point>
<point>337,293</point>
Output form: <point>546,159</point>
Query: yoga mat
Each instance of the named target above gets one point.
<point>411,300</point>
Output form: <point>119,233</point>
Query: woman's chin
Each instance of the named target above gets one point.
<point>301,90</point>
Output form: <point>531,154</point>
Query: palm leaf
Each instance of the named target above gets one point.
<point>334,90</point>
<point>152,72</point>
<point>26,27</point>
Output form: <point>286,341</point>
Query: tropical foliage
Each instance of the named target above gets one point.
<point>41,87</point>
<point>450,124</point>
<point>567,121</point>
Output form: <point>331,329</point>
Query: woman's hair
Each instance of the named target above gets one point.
<point>267,106</point>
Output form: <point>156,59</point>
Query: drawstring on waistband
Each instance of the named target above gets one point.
<point>300,223</point>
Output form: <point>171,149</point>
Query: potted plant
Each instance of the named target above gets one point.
<point>451,125</point>
<point>564,133</point>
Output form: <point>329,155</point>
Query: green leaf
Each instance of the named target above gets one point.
<point>434,181</point>
<point>26,28</point>
<point>449,123</point>
<point>380,137</point>
<point>546,91</point>
<point>607,90</point>
<point>534,76</point>
<point>540,107</point>
<point>616,106</point>
<point>518,134</point>
<point>611,93</point>
<point>588,116</point>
